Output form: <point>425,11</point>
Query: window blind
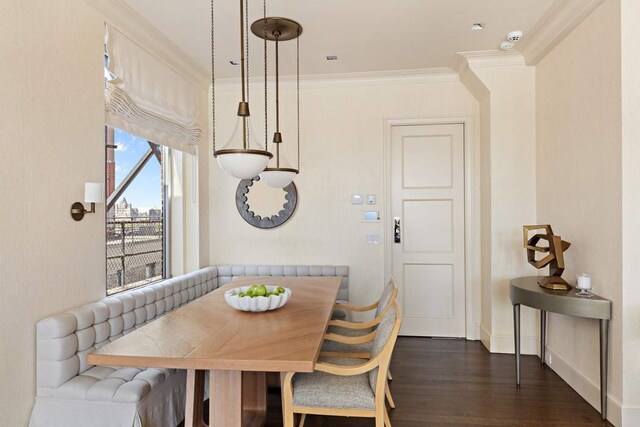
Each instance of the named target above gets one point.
<point>145,97</point>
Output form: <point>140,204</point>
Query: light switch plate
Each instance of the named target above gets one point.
<point>356,199</point>
<point>373,238</point>
<point>371,216</point>
<point>371,199</point>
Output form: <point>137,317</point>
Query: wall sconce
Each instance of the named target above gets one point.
<point>93,193</point>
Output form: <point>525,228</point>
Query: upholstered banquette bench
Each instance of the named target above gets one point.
<point>71,392</point>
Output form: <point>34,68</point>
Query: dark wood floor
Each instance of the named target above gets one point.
<point>458,383</point>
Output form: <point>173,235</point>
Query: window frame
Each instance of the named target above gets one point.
<point>163,155</point>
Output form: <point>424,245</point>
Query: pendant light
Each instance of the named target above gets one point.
<point>279,30</point>
<point>251,159</point>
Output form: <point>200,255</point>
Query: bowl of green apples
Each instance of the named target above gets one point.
<point>259,297</point>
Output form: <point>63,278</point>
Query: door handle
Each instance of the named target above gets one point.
<point>396,229</point>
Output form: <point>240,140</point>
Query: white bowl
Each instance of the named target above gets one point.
<point>256,303</point>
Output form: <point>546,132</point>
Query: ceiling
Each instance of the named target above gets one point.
<point>366,35</point>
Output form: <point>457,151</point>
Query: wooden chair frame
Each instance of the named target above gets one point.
<point>381,361</point>
<point>360,326</point>
<point>364,325</point>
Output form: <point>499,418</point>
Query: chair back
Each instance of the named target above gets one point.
<point>384,341</point>
<point>388,294</point>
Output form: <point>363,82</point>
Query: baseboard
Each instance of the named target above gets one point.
<point>630,416</point>
<point>591,392</point>
<point>529,345</point>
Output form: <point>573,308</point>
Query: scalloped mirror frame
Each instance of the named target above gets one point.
<point>265,223</point>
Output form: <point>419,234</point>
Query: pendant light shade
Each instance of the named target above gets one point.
<point>244,163</point>
<point>278,177</point>
<point>282,174</point>
<point>278,30</point>
<point>242,157</point>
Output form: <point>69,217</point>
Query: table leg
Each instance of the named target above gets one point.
<point>254,398</point>
<point>543,335</point>
<point>604,364</point>
<point>195,399</point>
<point>237,399</point>
<point>516,330</point>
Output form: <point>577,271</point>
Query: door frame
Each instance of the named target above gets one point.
<point>471,211</point>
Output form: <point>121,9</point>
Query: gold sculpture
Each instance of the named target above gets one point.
<point>555,259</point>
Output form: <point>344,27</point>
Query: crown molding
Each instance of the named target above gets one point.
<point>463,62</point>
<point>489,58</point>
<point>398,77</point>
<point>461,66</point>
<point>562,18</point>
<point>134,26</point>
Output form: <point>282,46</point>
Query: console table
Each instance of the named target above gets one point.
<point>526,291</point>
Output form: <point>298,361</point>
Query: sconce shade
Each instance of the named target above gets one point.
<point>93,192</point>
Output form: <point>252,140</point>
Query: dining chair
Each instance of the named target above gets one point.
<point>354,389</point>
<point>348,328</point>
<point>337,341</point>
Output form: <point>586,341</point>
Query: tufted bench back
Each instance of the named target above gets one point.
<point>65,339</point>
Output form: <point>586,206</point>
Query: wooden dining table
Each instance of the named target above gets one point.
<point>236,347</point>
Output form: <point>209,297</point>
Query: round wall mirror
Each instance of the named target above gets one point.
<point>263,206</point>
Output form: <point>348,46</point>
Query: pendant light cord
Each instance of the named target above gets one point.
<point>266,117</point>
<point>246,26</point>
<point>298,92</point>
<point>213,81</point>
<point>277,36</point>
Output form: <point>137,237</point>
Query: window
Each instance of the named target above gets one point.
<point>136,215</point>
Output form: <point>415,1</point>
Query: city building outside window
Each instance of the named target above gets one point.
<point>136,201</point>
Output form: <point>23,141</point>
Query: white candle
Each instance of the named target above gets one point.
<point>584,281</point>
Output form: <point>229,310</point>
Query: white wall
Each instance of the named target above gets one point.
<point>342,154</point>
<point>579,184</point>
<point>630,55</point>
<point>506,94</point>
<point>52,142</point>
<point>511,149</point>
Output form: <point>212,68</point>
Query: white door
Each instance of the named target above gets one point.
<point>427,198</point>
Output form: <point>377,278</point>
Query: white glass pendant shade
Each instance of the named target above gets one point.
<point>278,178</point>
<point>243,161</point>
<point>243,165</point>
<point>281,175</point>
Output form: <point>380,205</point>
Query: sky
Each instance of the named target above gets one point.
<point>145,191</point>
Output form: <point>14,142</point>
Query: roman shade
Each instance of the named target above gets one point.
<point>147,98</point>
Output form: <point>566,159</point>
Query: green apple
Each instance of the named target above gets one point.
<point>260,291</point>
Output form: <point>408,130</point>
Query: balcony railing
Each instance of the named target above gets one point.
<point>135,252</point>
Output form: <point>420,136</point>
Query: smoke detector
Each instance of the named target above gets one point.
<point>477,27</point>
<point>514,36</point>
<point>506,45</point>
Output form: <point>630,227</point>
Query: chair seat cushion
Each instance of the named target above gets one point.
<point>319,389</point>
<point>105,384</point>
